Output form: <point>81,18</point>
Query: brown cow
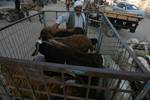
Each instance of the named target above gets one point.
<point>48,33</point>
<point>80,42</point>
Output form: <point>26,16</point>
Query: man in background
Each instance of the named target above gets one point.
<point>68,4</point>
<point>72,19</point>
<point>17,4</point>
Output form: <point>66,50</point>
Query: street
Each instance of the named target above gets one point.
<point>141,33</point>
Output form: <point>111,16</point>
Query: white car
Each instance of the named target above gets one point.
<point>131,9</point>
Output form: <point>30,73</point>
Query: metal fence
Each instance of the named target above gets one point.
<point>22,78</point>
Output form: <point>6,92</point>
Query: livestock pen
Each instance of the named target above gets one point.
<point>122,75</point>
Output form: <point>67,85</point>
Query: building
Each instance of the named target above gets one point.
<point>145,5</point>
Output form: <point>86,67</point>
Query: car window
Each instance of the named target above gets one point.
<point>131,7</point>
<point>121,5</point>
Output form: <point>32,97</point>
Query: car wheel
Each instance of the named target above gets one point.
<point>118,28</point>
<point>132,30</point>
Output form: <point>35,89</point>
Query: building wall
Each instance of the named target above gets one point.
<point>145,5</point>
<point>135,2</point>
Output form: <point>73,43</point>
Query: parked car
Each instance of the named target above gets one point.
<point>131,9</point>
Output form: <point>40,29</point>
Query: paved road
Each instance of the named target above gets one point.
<point>142,31</point>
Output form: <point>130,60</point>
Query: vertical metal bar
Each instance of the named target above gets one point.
<point>56,14</point>
<point>86,27</point>
<point>45,83</point>
<point>100,36</point>
<point>44,18</point>
<point>13,83</point>
<point>114,93</point>
<point>112,82</point>
<point>9,97</point>
<point>117,52</point>
<point>88,87</point>
<point>143,92</point>
<point>19,38</point>
<point>64,86</point>
<point>8,52</point>
<point>24,33</point>
<point>28,79</point>
<point>15,41</point>
<point>10,42</point>
<point>4,52</point>
<point>124,93</point>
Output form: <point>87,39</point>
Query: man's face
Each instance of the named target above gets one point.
<point>78,10</point>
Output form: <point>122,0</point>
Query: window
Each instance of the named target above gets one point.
<point>121,5</point>
<point>131,7</point>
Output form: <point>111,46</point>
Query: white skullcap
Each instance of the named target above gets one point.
<point>78,3</point>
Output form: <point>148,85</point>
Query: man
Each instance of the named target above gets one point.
<point>72,19</point>
<point>17,4</point>
<point>68,3</point>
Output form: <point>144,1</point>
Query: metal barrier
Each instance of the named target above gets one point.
<point>18,39</point>
<point>120,52</point>
<point>22,78</point>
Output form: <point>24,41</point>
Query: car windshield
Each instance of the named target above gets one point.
<point>131,7</point>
